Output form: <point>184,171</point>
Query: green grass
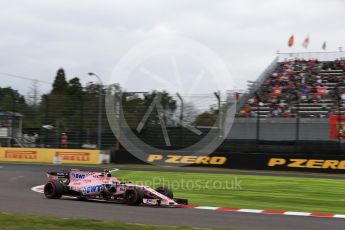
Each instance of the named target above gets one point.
<point>257,192</point>
<point>28,222</point>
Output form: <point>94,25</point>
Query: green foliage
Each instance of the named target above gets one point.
<point>70,107</point>
<point>20,221</point>
<point>60,84</point>
<point>207,118</point>
<point>168,103</point>
<point>10,99</point>
<point>74,87</point>
<point>135,107</point>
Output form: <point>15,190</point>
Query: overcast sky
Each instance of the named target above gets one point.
<point>40,36</point>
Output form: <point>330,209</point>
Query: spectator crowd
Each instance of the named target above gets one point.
<point>309,87</point>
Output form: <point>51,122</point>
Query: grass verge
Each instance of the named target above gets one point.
<point>244,191</point>
<point>28,222</point>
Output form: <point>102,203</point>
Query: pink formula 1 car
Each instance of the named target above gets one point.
<point>102,186</point>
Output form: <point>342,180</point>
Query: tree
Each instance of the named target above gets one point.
<point>135,107</point>
<point>167,102</point>
<point>60,84</point>
<point>189,113</point>
<point>90,111</point>
<point>11,99</point>
<point>207,118</point>
<point>74,87</point>
<point>63,106</point>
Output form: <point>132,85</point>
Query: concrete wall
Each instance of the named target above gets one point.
<point>277,129</point>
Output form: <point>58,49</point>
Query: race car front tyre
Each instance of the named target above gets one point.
<point>134,196</point>
<point>53,190</point>
<point>165,191</point>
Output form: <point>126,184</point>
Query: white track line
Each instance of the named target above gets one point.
<point>250,210</point>
<point>297,213</point>
<point>206,207</point>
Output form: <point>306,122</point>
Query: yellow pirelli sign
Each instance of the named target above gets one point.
<point>43,155</point>
<point>178,159</point>
<point>307,163</point>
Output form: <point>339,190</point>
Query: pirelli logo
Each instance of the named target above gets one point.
<point>307,163</point>
<point>177,159</point>
<point>21,154</point>
<point>73,156</point>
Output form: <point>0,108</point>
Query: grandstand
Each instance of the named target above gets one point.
<point>303,84</point>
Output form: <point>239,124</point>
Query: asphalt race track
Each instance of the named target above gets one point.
<point>16,196</point>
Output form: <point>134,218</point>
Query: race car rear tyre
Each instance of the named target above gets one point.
<point>166,192</point>
<point>134,196</point>
<point>53,190</point>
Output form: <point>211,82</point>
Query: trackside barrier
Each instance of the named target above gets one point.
<point>251,161</point>
<point>56,156</point>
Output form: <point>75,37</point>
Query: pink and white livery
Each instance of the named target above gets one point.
<point>102,186</point>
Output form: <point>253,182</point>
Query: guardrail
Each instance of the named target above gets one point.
<point>249,161</point>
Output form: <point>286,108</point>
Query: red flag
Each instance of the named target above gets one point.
<point>306,42</point>
<point>291,41</point>
<point>337,126</point>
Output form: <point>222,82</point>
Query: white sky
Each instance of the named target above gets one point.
<point>39,36</point>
